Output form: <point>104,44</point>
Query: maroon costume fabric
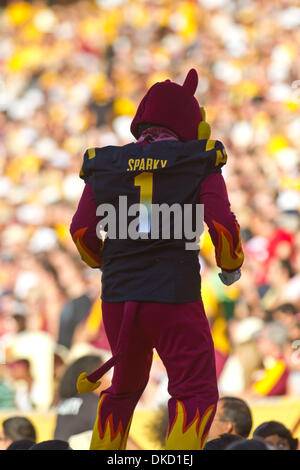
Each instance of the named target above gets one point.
<point>184,344</point>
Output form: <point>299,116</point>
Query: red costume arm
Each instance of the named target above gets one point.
<point>222,224</point>
<point>83,229</point>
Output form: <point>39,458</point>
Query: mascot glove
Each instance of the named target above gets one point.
<point>229,278</point>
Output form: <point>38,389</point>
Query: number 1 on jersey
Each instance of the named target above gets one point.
<point>145,181</point>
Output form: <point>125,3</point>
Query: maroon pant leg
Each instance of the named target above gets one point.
<point>181,335</point>
<point>184,343</point>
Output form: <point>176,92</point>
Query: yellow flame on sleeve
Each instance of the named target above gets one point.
<point>228,257</point>
<point>86,255</point>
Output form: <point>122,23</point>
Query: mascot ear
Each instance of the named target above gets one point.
<point>191,82</point>
<point>204,129</point>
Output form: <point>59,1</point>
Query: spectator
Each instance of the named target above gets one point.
<point>20,375</point>
<point>72,313</point>
<point>76,413</point>
<point>271,344</point>
<point>16,428</point>
<point>292,358</point>
<point>22,444</point>
<point>285,314</point>
<point>233,416</point>
<point>6,395</point>
<point>276,435</point>
<point>55,444</point>
<point>222,442</point>
<point>249,444</point>
<point>244,358</point>
<point>279,278</point>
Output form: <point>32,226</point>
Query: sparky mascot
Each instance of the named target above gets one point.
<point>151,285</point>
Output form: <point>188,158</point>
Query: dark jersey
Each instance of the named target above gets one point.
<point>147,196</point>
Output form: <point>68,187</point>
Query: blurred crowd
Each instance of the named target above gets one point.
<point>71,77</point>
<point>232,429</point>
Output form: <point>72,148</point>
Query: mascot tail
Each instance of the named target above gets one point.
<point>88,383</point>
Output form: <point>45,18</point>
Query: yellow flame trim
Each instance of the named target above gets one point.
<point>191,436</point>
<point>108,438</point>
<point>86,255</point>
<point>228,256</point>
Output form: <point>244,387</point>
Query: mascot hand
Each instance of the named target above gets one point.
<point>204,129</point>
<point>229,278</point>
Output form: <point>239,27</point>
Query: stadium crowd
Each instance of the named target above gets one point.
<point>71,76</point>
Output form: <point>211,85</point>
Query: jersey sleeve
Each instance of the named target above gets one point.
<point>87,165</point>
<point>216,155</point>
<point>83,229</point>
<point>223,227</point>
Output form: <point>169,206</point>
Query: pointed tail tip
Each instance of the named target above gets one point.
<point>84,385</point>
<point>88,383</point>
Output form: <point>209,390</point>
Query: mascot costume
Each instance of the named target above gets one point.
<point>151,286</point>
